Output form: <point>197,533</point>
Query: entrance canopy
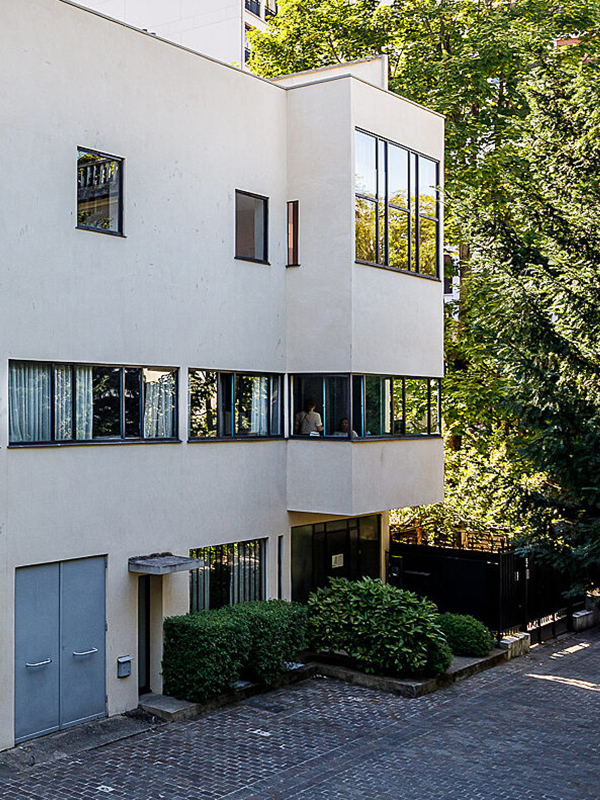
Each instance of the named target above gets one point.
<point>163,564</point>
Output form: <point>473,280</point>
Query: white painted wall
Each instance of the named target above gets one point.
<point>171,293</point>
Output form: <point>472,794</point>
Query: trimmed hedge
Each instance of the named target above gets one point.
<point>207,652</point>
<point>382,629</point>
<point>466,635</point>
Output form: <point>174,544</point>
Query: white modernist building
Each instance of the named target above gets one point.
<point>220,339</point>
<point>218,28</point>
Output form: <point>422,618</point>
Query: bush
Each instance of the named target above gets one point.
<point>466,635</point>
<point>207,652</point>
<point>382,629</point>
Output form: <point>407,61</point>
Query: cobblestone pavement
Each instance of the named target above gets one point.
<point>527,730</point>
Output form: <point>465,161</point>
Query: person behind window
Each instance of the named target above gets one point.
<point>343,429</point>
<point>308,422</point>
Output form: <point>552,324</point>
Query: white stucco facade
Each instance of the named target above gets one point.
<point>169,292</point>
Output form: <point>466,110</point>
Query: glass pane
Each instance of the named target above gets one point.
<point>398,237</point>
<point>84,403</point>
<point>427,246</point>
<point>159,403</point>
<point>428,181</point>
<point>434,405</point>
<point>276,405</point>
<point>250,226</point>
<point>378,402</point>
<point>370,556</point>
<point>365,172</point>
<point>302,562</point>
<point>357,405</point>
<point>63,402</point>
<point>413,212</point>
<point>225,404</point>
<point>251,405</point>
<point>366,230</point>
<point>398,425</point>
<point>133,401</point>
<point>29,402</point>
<point>381,169</point>
<point>98,189</point>
<point>203,403</point>
<point>106,392</point>
<point>308,405</point>
<point>336,405</point>
<point>397,176</point>
<point>416,402</point>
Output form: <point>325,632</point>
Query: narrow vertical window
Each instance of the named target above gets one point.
<point>99,192</point>
<point>29,402</point>
<point>292,229</point>
<point>251,212</point>
<point>365,179</point>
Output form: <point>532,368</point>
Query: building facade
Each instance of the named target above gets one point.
<point>220,349</point>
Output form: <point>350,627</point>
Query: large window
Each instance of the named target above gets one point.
<point>251,218</point>
<point>360,406</point>
<point>60,403</point>
<point>234,404</point>
<point>232,573</point>
<point>397,206</point>
<point>99,192</point>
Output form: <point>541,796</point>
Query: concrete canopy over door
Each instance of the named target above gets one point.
<point>59,645</point>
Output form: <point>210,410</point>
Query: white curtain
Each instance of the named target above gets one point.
<point>259,415</point>
<point>159,405</point>
<point>84,403</point>
<point>29,402</point>
<point>63,402</point>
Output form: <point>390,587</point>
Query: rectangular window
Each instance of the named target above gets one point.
<point>232,573</point>
<point>251,224</point>
<point>99,192</point>
<point>397,206</point>
<point>377,406</point>
<point>234,404</point>
<point>60,403</point>
<point>292,229</point>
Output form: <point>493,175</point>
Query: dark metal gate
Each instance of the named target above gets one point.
<point>502,589</point>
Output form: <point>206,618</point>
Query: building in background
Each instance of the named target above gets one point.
<point>220,344</point>
<point>216,28</point>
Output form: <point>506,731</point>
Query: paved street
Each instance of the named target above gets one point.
<point>525,730</point>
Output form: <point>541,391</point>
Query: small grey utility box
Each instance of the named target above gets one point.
<point>124,666</point>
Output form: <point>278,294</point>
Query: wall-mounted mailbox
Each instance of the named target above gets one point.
<point>124,666</point>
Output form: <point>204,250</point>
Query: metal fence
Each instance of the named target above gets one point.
<point>502,589</point>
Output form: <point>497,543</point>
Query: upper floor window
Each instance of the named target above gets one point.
<point>253,6</point>
<point>61,403</point>
<point>357,406</point>
<point>397,206</point>
<point>99,192</point>
<point>251,218</point>
<point>293,257</point>
<point>233,404</point>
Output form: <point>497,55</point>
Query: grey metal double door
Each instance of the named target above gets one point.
<point>59,645</point>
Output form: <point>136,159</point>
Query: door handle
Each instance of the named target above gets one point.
<point>38,663</point>
<point>86,652</point>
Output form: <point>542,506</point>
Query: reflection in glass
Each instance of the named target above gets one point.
<point>133,403</point>
<point>358,405</point>
<point>252,405</point>
<point>416,397</point>
<point>427,246</point>
<point>98,191</point>
<point>106,392</point>
<point>276,405</point>
<point>226,404</point>
<point>427,187</point>
<point>398,238</point>
<point>397,176</point>
<point>203,403</point>
<point>398,406</point>
<point>365,172</point>
<point>250,226</point>
<point>434,405</point>
<point>366,230</point>
<point>378,403</point>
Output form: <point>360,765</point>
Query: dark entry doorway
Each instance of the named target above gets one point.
<point>144,634</point>
<point>346,548</point>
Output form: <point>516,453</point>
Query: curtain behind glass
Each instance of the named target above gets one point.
<point>159,404</point>
<point>63,402</point>
<point>84,403</point>
<point>259,416</point>
<point>29,402</point>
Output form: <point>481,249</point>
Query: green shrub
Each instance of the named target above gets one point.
<point>207,652</point>
<point>277,631</point>
<point>466,635</point>
<point>382,629</point>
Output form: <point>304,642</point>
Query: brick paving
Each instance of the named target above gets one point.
<point>527,730</point>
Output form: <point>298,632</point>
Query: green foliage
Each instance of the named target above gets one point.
<point>207,652</point>
<point>382,629</point>
<point>465,635</point>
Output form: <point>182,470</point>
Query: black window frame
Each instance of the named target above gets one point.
<point>226,382</point>
<point>293,223</point>
<point>123,436</point>
<point>120,204</point>
<point>379,202</point>
<point>265,200</point>
<point>357,428</point>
